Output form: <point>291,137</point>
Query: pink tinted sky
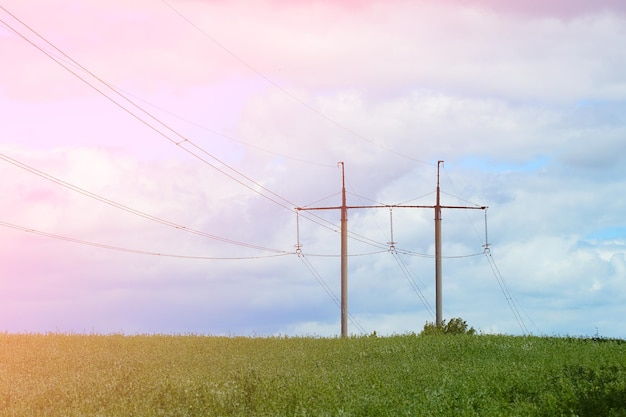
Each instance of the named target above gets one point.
<point>523,100</point>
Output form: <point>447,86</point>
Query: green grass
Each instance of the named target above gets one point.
<point>115,375</point>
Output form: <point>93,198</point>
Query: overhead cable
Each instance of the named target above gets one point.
<point>128,250</point>
<point>506,292</point>
<point>286,92</point>
<point>129,209</point>
<point>225,136</point>
<point>328,291</point>
<point>407,274</point>
<point>180,142</point>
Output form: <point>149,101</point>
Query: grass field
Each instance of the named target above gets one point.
<point>443,375</point>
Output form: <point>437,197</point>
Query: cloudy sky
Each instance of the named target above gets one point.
<point>153,152</point>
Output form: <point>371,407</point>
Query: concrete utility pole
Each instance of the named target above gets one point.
<point>438,281</point>
<point>344,244</point>
<point>344,256</point>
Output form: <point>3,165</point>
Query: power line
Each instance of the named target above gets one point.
<point>391,206</point>
<point>510,299</point>
<point>460,199</point>
<point>416,198</point>
<point>129,209</point>
<point>426,255</point>
<point>362,198</point>
<point>506,292</point>
<point>400,262</point>
<point>394,244</point>
<point>407,274</point>
<point>142,214</point>
<point>182,139</point>
<point>286,92</point>
<point>328,291</point>
<point>351,255</point>
<point>225,136</point>
<point>179,143</point>
<point>128,250</point>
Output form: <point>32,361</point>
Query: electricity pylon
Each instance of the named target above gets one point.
<point>344,244</point>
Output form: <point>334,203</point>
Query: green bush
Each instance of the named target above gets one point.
<point>454,326</point>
